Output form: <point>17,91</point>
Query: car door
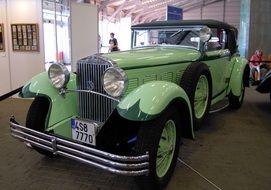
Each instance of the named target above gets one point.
<point>217,57</point>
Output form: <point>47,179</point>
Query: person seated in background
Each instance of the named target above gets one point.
<point>268,64</point>
<point>258,68</point>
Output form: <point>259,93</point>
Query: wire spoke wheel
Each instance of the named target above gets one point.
<point>166,148</point>
<point>161,139</point>
<point>197,83</point>
<point>201,96</point>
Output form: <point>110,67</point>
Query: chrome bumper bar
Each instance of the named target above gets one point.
<point>125,165</point>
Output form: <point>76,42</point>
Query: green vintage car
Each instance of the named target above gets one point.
<point>125,112</point>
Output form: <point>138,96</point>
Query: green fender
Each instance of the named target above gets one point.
<point>150,99</point>
<point>61,106</point>
<point>240,72</point>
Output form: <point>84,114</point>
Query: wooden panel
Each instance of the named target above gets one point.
<point>192,14</point>
<point>216,11</point>
<point>232,10</point>
<point>213,11</point>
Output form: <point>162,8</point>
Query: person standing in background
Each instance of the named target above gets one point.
<point>113,43</point>
<point>99,43</point>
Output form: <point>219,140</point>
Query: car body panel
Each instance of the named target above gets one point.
<point>240,66</point>
<point>153,56</point>
<point>219,66</point>
<point>150,99</point>
<point>61,107</point>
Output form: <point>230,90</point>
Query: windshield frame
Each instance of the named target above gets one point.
<point>171,28</point>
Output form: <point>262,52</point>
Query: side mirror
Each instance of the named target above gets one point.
<point>205,34</point>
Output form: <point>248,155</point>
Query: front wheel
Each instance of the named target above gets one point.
<point>36,118</point>
<point>196,81</point>
<point>161,139</point>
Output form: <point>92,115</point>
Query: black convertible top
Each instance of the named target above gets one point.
<point>232,31</point>
<point>209,23</point>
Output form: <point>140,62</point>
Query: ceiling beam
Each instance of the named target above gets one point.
<point>117,11</point>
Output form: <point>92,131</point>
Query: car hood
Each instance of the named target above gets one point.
<point>154,56</point>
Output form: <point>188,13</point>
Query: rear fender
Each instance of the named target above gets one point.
<point>149,100</point>
<point>240,73</point>
<point>61,106</point>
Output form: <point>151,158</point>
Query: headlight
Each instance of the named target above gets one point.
<point>114,81</point>
<point>58,75</point>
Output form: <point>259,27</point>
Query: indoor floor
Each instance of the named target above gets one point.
<point>232,150</point>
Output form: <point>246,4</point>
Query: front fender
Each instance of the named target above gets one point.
<point>240,73</point>
<point>149,100</point>
<point>61,106</point>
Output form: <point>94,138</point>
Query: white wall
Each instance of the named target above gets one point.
<point>20,66</point>
<point>5,83</point>
<point>84,31</point>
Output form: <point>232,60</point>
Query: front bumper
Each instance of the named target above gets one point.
<point>125,165</point>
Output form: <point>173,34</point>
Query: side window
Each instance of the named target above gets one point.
<point>217,41</point>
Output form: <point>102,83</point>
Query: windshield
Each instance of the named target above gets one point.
<point>188,37</point>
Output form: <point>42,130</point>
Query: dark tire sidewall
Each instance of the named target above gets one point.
<point>189,83</point>
<point>234,101</point>
<point>152,181</point>
<point>36,119</point>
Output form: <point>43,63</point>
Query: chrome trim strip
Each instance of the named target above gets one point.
<point>97,93</point>
<point>110,169</point>
<point>98,159</point>
<point>125,165</point>
<point>33,143</point>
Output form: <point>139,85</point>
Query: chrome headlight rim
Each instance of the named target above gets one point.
<point>58,75</point>
<point>123,77</point>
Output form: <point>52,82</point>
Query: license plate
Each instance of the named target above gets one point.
<point>83,131</point>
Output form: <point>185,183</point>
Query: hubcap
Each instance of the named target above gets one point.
<point>166,148</point>
<point>201,96</point>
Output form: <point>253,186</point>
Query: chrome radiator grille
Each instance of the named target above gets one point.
<point>89,77</point>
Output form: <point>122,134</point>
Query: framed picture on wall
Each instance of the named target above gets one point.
<point>25,37</point>
<point>2,38</point>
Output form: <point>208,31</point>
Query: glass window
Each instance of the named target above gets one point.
<point>181,37</point>
<point>56,27</point>
<point>217,41</point>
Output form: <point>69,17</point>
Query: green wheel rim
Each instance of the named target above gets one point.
<point>166,148</point>
<point>201,97</point>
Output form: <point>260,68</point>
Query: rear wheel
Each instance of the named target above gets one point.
<point>161,139</point>
<point>236,102</point>
<point>36,118</point>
